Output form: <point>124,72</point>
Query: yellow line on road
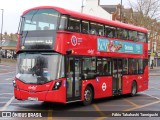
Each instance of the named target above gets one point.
<point>142,106</point>
<point>98,110</point>
<point>130,109</point>
<point>50,116</point>
<point>113,105</point>
<point>132,103</point>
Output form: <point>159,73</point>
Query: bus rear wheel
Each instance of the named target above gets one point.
<point>88,96</point>
<point>133,89</point>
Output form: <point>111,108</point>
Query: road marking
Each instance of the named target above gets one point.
<point>142,106</point>
<point>7,73</point>
<point>21,103</point>
<point>4,97</point>
<point>50,115</point>
<point>9,78</point>
<point>98,110</point>
<point>7,104</point>
<point>5,93</point>
<point>134,108</point>
<point>154,88</point>
<point>154,83</point>
<point>112,105</point>
<point>6,83</point>
<point>152,96</point>
<point>132,103</point>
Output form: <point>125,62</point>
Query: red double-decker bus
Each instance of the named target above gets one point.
<point>65,56</point>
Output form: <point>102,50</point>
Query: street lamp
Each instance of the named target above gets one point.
<point>121,12</point>
<point>153,47</point>
<point>1,35</point>
<point>82,7</point>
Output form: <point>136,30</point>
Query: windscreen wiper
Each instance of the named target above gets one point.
<point>27,30</point>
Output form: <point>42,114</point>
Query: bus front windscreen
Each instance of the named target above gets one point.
<point>38,29</point>
<point>39,68</point>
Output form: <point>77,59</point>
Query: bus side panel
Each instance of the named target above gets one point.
<point>140,81</point>
<point>126,83</point>
<point>102,87</point>
<point>57,95</point>
<point>146,79</point>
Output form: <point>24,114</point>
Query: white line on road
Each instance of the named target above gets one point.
<point>6,83</point>
<point>155,83</point>
<point>7,104</point>
<point>7,73</point>
<point>9,78</point>
<point>154,88</point>
<point>5,93</point>
<point>4,97</point>
<point>151,96</point>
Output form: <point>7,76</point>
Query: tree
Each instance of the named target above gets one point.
<point>147,13</point>
<point>147,10</point>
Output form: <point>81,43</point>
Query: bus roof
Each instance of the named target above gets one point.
<point>91,18</point>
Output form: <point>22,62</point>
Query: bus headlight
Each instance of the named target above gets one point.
<point>14,84</point>
<point>57,85</point>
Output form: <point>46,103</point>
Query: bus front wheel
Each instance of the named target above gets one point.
<point>88,96</point>
<point>133,89</point>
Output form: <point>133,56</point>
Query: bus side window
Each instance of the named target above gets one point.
<point>63,22</point>
<point>140,66</point>
<point>99,68</point>
<point>106,66</point>
<point>85,27</point>
<point>125,66</point>
<point>133,66</point>
<point>142,37</point>
<point>93,28</point>
<point>132,35</point>
<point>122,33</point>
<point>110,32</point>
<point>89,68</point>
<point>74,25</point>
<point>100,29</point>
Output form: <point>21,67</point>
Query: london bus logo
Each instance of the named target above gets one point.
<point>74,40</point>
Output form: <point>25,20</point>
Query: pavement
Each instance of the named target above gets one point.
<point>154,72</point>
<point>6,67</point>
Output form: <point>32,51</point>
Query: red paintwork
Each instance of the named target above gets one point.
<point>42,92</point>
<point>89,17</point>
<point>89,42</point>
<point>85,44</point>
<point>97,85</point>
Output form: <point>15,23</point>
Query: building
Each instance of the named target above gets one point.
<point>93,8</point>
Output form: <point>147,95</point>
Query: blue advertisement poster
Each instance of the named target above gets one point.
<point>119,46</point>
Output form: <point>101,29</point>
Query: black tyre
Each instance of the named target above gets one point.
<point>133,89</point>
<point>88,96</point>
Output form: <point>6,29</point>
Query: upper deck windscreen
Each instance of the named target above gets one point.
<point>38,29</point>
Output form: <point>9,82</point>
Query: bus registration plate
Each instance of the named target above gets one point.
<point>33,98</point>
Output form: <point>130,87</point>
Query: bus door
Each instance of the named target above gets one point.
<point>117,76</point>
<point>73,86</point>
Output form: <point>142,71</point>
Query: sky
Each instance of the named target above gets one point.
<point>13,9</point>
